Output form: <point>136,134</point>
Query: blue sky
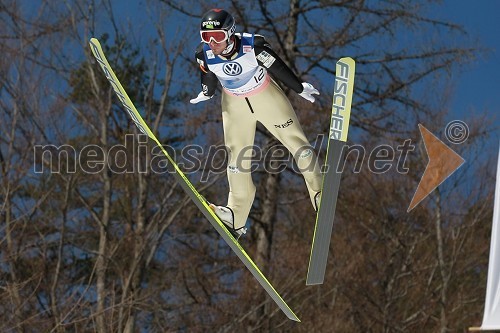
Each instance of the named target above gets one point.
<point>477,86</point>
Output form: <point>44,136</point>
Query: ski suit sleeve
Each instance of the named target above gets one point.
<point>267,58</point>
<point>208,79</point>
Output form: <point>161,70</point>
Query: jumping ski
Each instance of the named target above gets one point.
<point>181,178</point>
<point>339,126</point>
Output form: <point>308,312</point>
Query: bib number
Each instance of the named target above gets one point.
<point>260,75</point>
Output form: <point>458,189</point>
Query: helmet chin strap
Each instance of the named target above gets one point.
<point>230,47</point>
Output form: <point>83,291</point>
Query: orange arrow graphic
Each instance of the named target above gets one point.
<point>443,161</point>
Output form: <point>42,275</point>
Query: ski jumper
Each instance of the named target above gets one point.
<point>250,95</point>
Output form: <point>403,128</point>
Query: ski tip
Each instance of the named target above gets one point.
<point>94,41</point>
<point>347,60</point>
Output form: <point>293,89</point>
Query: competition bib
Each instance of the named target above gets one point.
<point>241,76</point>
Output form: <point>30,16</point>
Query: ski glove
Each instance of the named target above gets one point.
<point>200,98</point>
<point>308,92</point>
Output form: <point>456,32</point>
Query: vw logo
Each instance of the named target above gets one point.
<point>232,69</point>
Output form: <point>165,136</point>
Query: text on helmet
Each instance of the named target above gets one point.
<point>212,23</point>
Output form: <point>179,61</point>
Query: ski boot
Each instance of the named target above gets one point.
<point>317,200</point>
<point>226,215</point>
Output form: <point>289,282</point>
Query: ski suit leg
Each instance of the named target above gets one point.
<point>274,111</point>
<point>239,133</point>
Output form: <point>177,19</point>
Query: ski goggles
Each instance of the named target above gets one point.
<point>217,36</point>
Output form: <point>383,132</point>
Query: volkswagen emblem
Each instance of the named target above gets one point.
<point>232,69</point>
